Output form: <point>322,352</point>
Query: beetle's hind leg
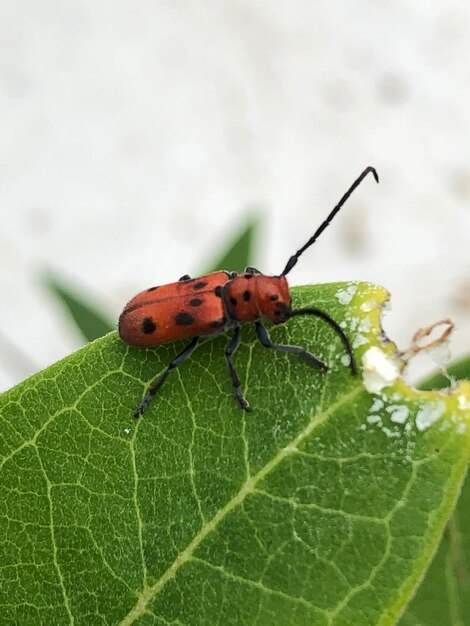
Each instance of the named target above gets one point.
<point>265,340</point>
<point>229,350</point>
<point>178,360</point>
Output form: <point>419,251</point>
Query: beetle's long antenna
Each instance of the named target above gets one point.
<point>294,258</point>
<point>336,327</point>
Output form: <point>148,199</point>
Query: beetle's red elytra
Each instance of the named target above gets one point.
<point>218,302</point>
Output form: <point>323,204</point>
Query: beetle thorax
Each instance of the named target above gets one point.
<point>251,296</point>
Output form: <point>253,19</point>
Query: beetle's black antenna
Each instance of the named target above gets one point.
<point>294,258</point>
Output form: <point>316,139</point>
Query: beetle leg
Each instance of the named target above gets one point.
<point>265,340</point>
<point>229,350</point>
<point>178,360</point>
<point>183,278</point>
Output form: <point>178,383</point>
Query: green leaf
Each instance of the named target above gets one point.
<point>239,252</point>
<point>322,506</point>
<point>443,598</point>
<point>458,370</point>
<point>89,320</point>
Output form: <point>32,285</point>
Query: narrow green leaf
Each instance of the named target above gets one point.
<point>322,506</point>
<point>90,321</point>
<point>239,252</point>
<point>443,598</point>
<point>458,370</point>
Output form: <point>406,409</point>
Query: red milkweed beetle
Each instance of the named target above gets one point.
<point>217,303</point>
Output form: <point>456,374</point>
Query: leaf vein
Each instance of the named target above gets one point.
<point>247,488</point>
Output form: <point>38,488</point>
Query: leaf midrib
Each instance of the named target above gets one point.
<point>149,593</point>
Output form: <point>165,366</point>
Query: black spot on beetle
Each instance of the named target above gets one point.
<point>196,302</point>
<point>218,323</point>
<point>233,301</point>
<point>277,313</point>
<point>200,285</point>
<point>274,297</point>
<point>248,276</point>
<point>148,326</point>
<point>152,289</point>
<point>184,318</point>
<point>246,295</point>
<point>218,291</point>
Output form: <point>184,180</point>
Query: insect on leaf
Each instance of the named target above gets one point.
<point>322,506</point>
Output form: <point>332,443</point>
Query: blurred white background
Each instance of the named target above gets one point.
<point>137,136</point>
